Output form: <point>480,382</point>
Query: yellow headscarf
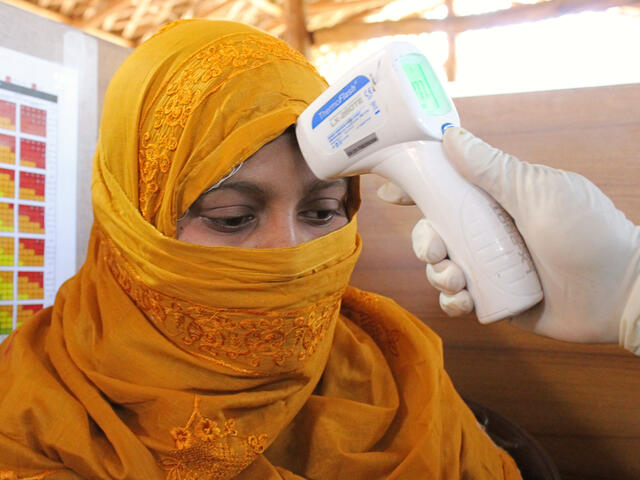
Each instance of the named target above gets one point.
<point>162,359</point>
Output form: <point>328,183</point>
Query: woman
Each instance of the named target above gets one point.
<point>182,351</point>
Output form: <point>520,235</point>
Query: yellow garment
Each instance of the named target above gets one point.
<point>162,359</point>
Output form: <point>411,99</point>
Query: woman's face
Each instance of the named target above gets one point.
<point>274,200</point>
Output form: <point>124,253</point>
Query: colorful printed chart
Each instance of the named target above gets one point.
<point>27,147</point>
<point>6,318</point>
<point>30,252</point>
<point>30,285</point>
<point>27,311</point>
<point>31,219</point>
<point>7,148</point>
<point>7,251</point>
<point>6,217</point>
<point>33,121</point>
<point>31,186</point>
<point>7,183</point>
<point>6,285</point>
<point>38,126</point>
<point>32,153</point>
<point>7,115</point>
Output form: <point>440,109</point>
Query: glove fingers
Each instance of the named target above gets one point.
<point>455,305</point>
<point>446,276</point>
<point>389,192</point>
<point>497,173</point>
<point>427,244</point>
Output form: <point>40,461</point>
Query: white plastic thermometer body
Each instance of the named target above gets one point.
<point>386,116</point>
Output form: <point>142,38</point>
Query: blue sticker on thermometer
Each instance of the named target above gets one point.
<point>339,99</point>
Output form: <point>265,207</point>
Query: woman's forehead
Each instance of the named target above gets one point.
<point>275,175</point>
<point>278,161</point>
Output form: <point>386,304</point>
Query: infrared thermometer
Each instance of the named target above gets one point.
<point>387,116</point>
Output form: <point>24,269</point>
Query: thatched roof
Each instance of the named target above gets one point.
<point>312,23</point>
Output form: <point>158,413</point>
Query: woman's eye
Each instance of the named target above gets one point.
<point>319,217</point>
<point>323,211</point>
<point>229,224</point>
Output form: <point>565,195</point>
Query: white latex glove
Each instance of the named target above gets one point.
<point>587,253</point>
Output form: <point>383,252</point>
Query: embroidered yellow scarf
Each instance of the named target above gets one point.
<point>162,359</point>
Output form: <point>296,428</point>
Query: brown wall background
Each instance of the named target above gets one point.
<point>581,402</point>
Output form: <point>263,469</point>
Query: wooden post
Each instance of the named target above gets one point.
<point>451,64</point>
<point>295,21</point>
<point>452,61</point>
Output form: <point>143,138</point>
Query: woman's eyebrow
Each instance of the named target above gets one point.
<point>322,185</point>
<point>242,186</point>
<point>257,189</point>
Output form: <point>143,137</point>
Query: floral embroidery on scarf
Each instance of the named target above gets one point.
<point>201,74</point>
<point>11,475</point>
<point>210,449</point>
<point>362,309</point>
<point>249,341</point>
<point>170,25</point>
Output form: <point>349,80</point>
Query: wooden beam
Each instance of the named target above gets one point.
<point>347,32</point>
<point>43,12</point>
<point>56,17</point>
<point>110,37</point>
<point>295,33</point>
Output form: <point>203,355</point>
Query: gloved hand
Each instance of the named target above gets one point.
<point>586,252</point>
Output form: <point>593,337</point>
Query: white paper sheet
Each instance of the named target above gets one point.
<point>38,162</point>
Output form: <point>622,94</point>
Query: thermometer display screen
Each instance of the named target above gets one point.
<point>425,84</point>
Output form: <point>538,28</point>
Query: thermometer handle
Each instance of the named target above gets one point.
<point>480,236</point>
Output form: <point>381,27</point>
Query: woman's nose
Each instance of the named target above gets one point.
<point>282,230</point>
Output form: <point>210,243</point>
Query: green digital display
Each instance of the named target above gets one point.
<point>425,84</point>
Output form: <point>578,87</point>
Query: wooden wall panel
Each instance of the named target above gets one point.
<point>582,402</point>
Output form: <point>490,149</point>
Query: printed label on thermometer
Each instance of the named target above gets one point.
<point>348,121</point>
